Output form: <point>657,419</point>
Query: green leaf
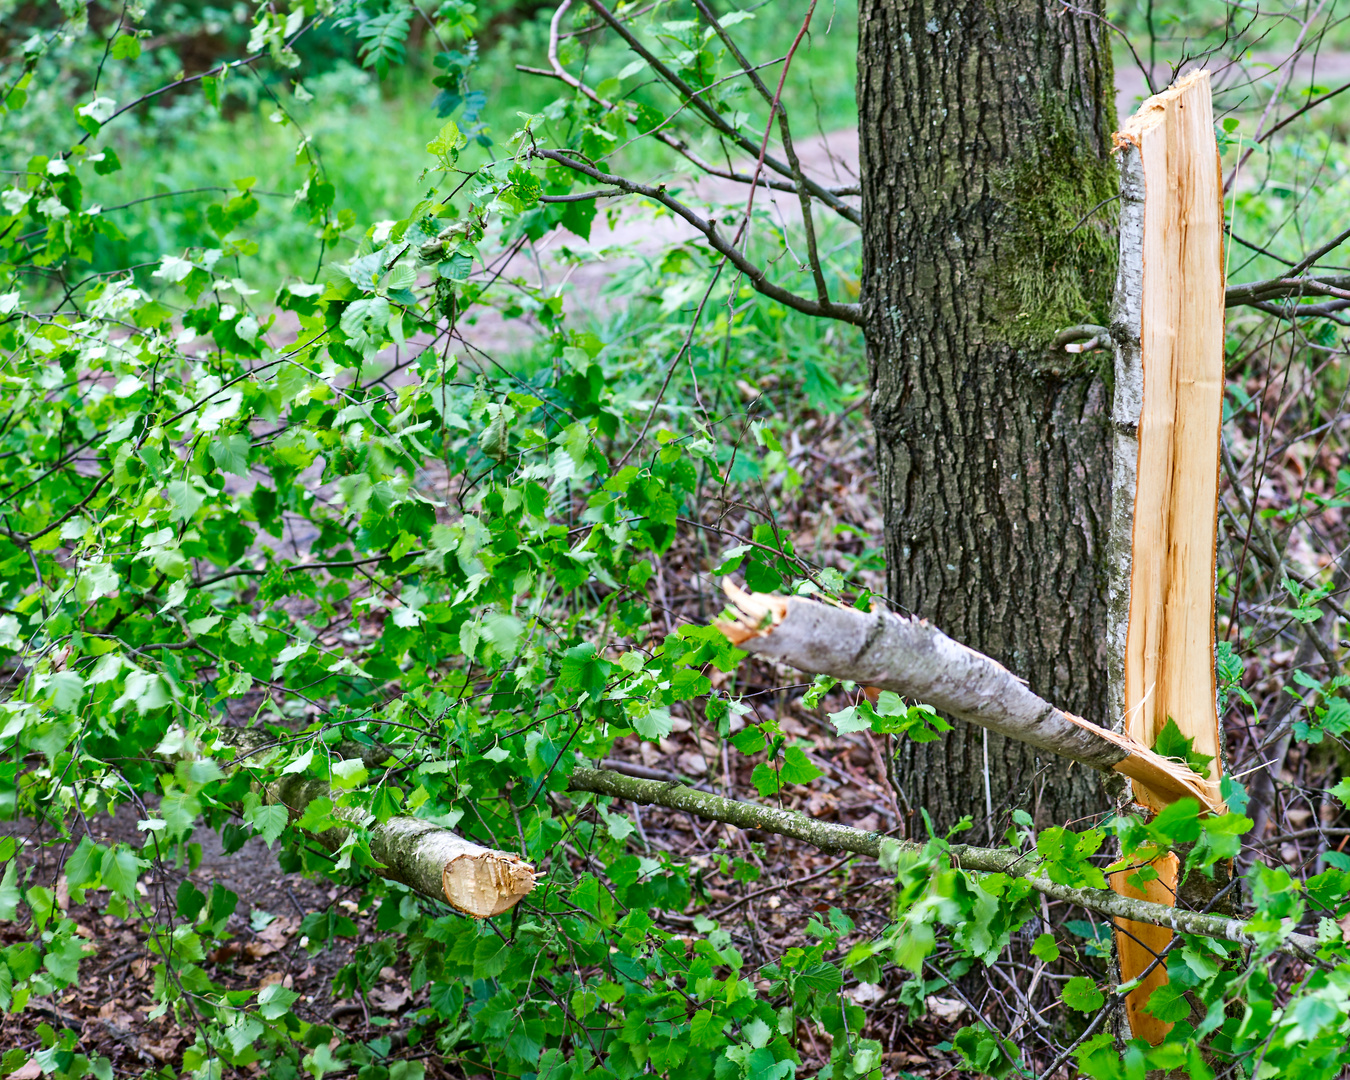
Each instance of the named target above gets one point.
<point>242,1031</point>
<point>650,723</point>
<point>386,802</point>
<point>750,740</point>
<point>1081,994</point>
<point>66,691</point>
<point>620,828</point>
<point>797,767</point>
<point>686,683</point>
<point>984,1052</point>
<point>1313,1015</point>
<point>268,821</point>
<point>179,810</point>
<point>275,1001</point>
<point>14,1059</point>
<point>503,631</point>
<point>765,779</point>
<point>853,718</point>
<point>349,773</point>
<point>126,47</point>
<point>63,958</point>
<point>82,866</point>
<point>527,186</point>
<point>317,816</point>
<point>824,978</point>
<point>189,900</point>
<point>1234,793</point>
<point>186,498</point>
<point>300,764</point>
<point>1168,1003</point>
<point>704,1027</point>
<point>1172,743</point>
<point>230,453</point>
<point>581,668</point>
<point>577,217</point>
<point>322,1061</point>
<point>1045,948</point>
<point>9,892</point>
<point>120,870</point>
<point>106,162</point>
<point>446,145</point>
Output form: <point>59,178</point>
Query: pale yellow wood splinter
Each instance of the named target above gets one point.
<point>1169,651</point>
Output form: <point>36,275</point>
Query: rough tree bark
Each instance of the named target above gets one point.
<point>985,140</point>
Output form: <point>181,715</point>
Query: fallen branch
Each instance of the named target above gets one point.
<point>427,858</point>
<point>431,860</point>
<point>832,837</point>
<point>919,661</point>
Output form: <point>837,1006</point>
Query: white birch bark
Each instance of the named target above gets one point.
<point>920,662</point>
<point>429,859</point>
<point>1127,401</point>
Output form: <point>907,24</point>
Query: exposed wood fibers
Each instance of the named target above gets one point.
<point>1169,650</point>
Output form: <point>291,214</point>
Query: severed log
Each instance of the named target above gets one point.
<point>428,858</point>
<point>918,661</point>
<point>831,836</point>
<point>1168,327</point>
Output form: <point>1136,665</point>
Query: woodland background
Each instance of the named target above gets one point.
<point>541,434</point>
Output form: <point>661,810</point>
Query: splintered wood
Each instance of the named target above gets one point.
<point>1169,659</point>
<point>1177,380</point>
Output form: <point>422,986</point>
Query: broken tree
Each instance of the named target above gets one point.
<point>1168,334</point>
<point>1168,328</point>
<point>428,858</point>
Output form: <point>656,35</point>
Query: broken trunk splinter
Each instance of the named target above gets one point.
<point>1168,321</point>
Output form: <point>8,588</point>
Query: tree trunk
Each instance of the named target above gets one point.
<point>985,140</point>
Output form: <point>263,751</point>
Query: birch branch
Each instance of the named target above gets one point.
<point>427,858</point>
<point>919,661</point>
<point>833,837</point>
<point>431,860</point>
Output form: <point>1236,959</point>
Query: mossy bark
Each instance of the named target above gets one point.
<point>833,837</point>
<point>985,137</point>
